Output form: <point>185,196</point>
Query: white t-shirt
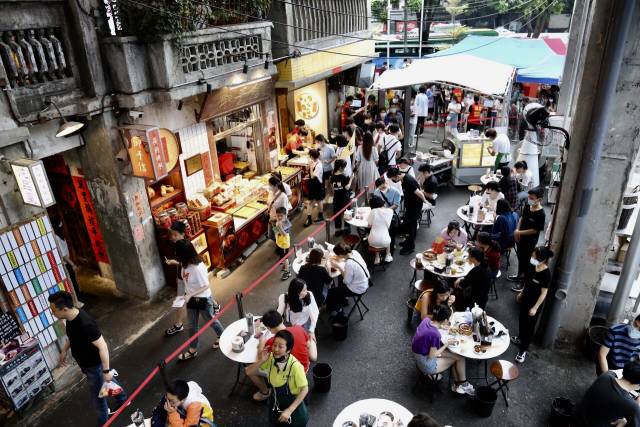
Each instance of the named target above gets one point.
<point>280,200</point>
<point>309,312</point>
<point>379,220</point>
<point>502,145</point>
<point>422,105</point>
<point>408,171</point>
<point>489,203</point>
<point>393,146</point>
<point>413,119</point>
<point>356,278</point>
<point>195,277</point>
<point>317,170</point>
<point>454,107</point>
<point>348,170</point>
<point>525,179</point>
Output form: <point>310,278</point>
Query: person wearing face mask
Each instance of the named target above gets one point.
<point>286,376</point>
<point>491,196</point>
<point>372,108</point>
<point>621,345</point>
<point>476,284</point>
<point>422,109</point>
<point>531,299</point>
<point>526,235</point>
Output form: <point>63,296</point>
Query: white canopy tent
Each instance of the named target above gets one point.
<point>476,74</point>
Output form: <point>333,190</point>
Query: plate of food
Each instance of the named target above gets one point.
<point>453,343</point>
<point>429,255</point>
<point>465,329</point>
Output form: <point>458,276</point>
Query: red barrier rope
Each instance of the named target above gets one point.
<point>226,307</point>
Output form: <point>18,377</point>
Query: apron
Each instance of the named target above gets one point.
<point>280,400</point>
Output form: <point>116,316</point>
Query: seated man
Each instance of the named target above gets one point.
<point>354,276</point>
<point>476,284</point>
<point>183,405</point>
<point>621,345</point>
<point>608,401</point>
<point>304,349</point>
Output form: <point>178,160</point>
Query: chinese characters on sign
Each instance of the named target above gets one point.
<point>90,219</point>
<point>148,158</point>
<point>33,182</point>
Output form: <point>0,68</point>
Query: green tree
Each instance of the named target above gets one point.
<point>379,10</point>
<point>455,8</point>
<point>534,13</point>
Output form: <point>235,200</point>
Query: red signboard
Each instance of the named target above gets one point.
<point>158,155</point>
<point>90,219</point>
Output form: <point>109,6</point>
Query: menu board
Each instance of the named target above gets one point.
<point>30,270</point>
<point>8,327</point>
<point>24,375</point>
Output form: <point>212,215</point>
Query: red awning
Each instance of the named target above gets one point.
<point>557,45</point>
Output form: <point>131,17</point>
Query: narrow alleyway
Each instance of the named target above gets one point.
<point>375,360</point>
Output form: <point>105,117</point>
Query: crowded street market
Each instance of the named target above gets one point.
<point>262,214</point>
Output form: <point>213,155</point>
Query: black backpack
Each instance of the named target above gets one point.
<point>383,160</point>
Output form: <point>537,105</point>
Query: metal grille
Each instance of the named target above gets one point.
<point>208,55</point>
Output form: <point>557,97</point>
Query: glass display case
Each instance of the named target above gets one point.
<point>472,158</point>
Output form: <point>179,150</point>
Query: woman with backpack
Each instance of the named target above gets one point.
<point>389,149</point>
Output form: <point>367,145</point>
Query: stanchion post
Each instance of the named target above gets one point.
<point>327,230</point>
<point>239,303</point>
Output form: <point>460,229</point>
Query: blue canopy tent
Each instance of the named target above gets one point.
<point>533,59</point>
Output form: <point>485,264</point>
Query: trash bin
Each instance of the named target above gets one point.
<point>561,412</point>
<point>594,340</point>
<point>322,378</point>
<point>485,400</point>
<point>411,303</point>
<point>340,327</point>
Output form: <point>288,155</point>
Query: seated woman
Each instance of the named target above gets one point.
<point>491,250</point>
<point>354,276</point>
<point>431,298</point>
<point>504,225</point>
<point>183,405</point>
<point>298,306</point>
<point>380,221</point>
<point>476,284</point>
<point>316,275</point>
<point>454,233</point>
<point>491,196</point>
<point>285,375</point>
<point>434,357</point>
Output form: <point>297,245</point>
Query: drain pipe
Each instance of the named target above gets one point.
<point>618,31</point>
<point>627,277</point>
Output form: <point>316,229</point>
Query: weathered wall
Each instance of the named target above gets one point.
<point>619,152</point>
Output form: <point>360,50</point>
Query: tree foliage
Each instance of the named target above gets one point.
<point>534,13</point>
<point>455,8</point>
<point>379,10</point>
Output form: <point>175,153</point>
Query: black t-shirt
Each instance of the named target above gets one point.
<point>532,221</point>
<point>534,282</point>
<point>316,277</point>
<point>82,331</point>
<point>605,402</point>
<point>479,280</point>
<point>339,184</point>
<point>409,187</point>
<point>430,186</point>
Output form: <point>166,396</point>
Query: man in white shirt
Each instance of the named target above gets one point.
<point>501,148</point>
<point>422,109</point>
<point>390,147</point>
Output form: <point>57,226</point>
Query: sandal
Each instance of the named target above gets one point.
<point>216,344</point>
<point>188,355</point>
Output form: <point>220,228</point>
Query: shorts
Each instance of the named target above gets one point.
<point>316,190</point>
<point>427,365</point>
<point>326,175</point>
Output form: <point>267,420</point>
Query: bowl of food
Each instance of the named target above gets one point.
<point>429,255</point>
<point>465,329</point>
<point>459,262</point>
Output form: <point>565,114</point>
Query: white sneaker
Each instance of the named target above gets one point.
<point>464,388</point>
<point>521,356</point>
<point>388,258</point>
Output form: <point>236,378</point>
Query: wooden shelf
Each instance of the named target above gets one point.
<point>157,201</point>
<point>231,131</point>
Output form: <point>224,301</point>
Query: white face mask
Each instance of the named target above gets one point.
<point>534,262</point>
<point>532,202</point>
<point>393,110</point>
<point>368,122</point>
<point>383,115</point>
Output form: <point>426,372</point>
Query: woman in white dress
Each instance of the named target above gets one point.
<point>366,163</point>
<point>379,220</point>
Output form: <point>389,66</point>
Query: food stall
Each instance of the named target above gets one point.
<point>471,158</point>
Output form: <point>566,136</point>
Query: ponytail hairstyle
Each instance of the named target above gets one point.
<point>276,183</point>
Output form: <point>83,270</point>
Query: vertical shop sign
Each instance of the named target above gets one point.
<point>147,156</point>
<point>90,219</point>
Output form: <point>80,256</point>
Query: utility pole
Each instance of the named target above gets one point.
<point>404,28</point>
<point>421,28</point>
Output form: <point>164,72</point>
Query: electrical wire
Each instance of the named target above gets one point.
<point>161,10</point>
<point>257,18</point>
<point>488,2</point>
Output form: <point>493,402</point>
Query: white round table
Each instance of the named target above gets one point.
<point>489,218</point>
<point>301,260</point>
<point>465,348</point>
<point>461,270</point>
<point>492,177</point>
<point>374,407</point>
<point>359,218</point>
<point>250,352</point>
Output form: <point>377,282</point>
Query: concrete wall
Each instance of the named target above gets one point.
<point>618,156</point>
